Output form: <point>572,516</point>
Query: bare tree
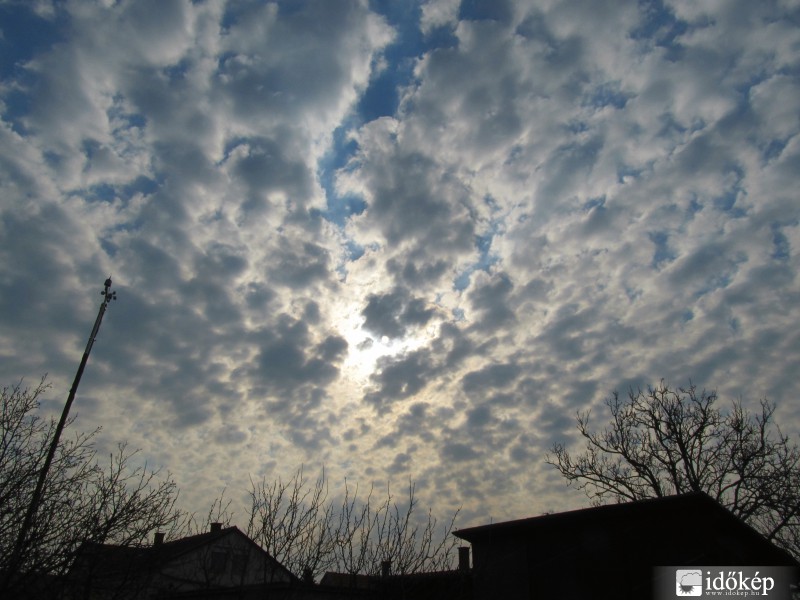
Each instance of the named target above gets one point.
<point>83,499</point>
<point>219,512</point>
<point>670,441</point>
<point>369,535</point>
<point>293,521</point>
<point>309,533</point>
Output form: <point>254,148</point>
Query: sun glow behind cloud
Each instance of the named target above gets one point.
<point>366,350</point>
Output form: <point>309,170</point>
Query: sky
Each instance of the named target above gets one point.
<point>406,241</point>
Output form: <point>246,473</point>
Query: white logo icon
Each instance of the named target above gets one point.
<point>688,582</point>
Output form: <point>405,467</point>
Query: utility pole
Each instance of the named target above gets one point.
<point>16,561</point>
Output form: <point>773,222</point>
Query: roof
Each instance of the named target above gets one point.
<point>111,558</point>
<point>585,514</point>
<point>168,551</point>
<point>435,585</point>
<point>349,580</point>
<point>650,509</point>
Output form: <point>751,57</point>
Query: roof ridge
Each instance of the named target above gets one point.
<point>197,536</point>
<point>594,509</point>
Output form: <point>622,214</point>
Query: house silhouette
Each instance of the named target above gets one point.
<point>455,584</point>
<point>220,559</point>
<point>611,551</point>
<point>617,551</point>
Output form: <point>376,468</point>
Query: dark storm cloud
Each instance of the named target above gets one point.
<point>490,299</point>
<point>567,334</point>
<point>393,313</point>
<point>289,375</point>
<point>257,296</point>
<point>221,261</point>
<point>412,203</point>
<point>400,378</point>
<point>230,435</point>
<point>492,376</point>
<point>709,267</point>
<point>214,300</point>
<point>420,420</point>
<point>479,417</point>
<point>458,452</point>
<point>416,275</point>
<point>454,345</point>
<point>400,464</point>
<point>264,166</point>
<point>300,264</point>
<point>332,348</point>
<point>290,58</point>
<point>36,251</point>
<point>289,359</point>
<point>411,207</point>
<point>305,423</point>
<point>536,289</point>
<point>169,352</point>
<point>189,410</point>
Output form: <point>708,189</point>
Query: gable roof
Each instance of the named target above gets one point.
<point>168,551</point>
<point>111,558</point>
<point>693,505</point>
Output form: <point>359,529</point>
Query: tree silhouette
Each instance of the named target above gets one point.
<point>667,441</point>
<point>310,533</point>
<point>84,498</point>
<point>87,500</point>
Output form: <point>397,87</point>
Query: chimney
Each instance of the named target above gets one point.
<point>158,539</point>
<point>463,558</point>
<point>386,568</point>
<point>308,575</point>
<point>216,527</point>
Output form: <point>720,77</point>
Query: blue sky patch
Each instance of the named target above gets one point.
<point>607,94</point>
<point>343,148</point>
<point>662,253</point>
<point>624,172</point>
<point>23,35</point>
<point>773,149</point>
<point>780,243</point>
<point>594,202</point>
<point>483,244</point>
<point>660,26</point>
<point>485,10</point>
<point>380,99</point>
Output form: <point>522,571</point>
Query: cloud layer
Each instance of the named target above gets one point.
<point>401,242</point>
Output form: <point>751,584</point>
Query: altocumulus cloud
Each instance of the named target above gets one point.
<point>400,241</point>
